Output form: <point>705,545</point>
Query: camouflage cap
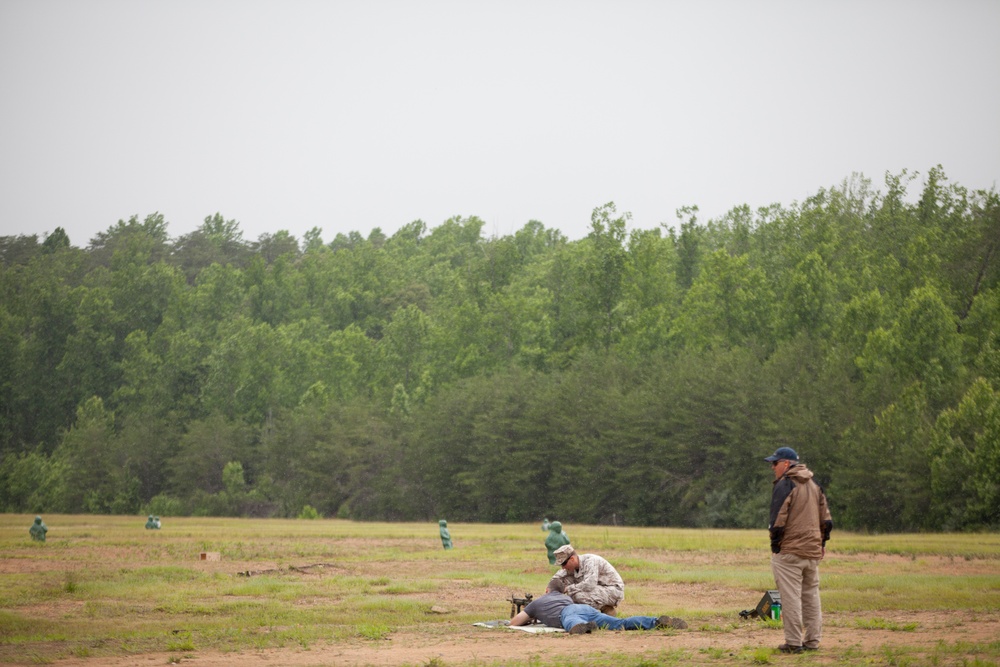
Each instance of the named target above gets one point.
<point>564,553</point>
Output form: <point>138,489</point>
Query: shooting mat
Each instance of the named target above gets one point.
<point>535,628</point>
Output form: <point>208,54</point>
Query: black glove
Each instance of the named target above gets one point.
<point>776,534</point>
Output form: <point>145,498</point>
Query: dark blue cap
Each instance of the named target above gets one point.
<point>783,454</point>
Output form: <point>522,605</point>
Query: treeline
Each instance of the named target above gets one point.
<point>632,377</point>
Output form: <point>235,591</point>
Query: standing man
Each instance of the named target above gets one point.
<point>800,525</point>
<point>589,579</point>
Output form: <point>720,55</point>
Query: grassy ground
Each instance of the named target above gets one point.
<point>104,588</point>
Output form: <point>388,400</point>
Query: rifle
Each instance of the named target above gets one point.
<point>516,603</point>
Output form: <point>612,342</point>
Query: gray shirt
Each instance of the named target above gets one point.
<point>548,608</point>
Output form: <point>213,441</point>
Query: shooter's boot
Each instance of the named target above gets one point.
<point>790,648</point>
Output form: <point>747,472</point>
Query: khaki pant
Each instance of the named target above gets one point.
<point>798,582</point>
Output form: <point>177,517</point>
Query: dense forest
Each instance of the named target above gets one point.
<point>632,376</point>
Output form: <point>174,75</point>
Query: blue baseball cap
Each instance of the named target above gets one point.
<point>782,454</point>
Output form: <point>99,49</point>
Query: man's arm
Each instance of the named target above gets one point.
<point>825,519</point>
<point>588,574</point>
<point>608,575</point>
<point>521,618</point>
<point>779,512</point>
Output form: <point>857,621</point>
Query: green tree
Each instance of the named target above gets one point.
<point>728,305</point>
<point>19,250</point>
<point>965,470</point>
<point>146,240</point>
<point>90,362</point>
<point>310,453</point>
<point>402,348</point>
<point>709,417</point>
<point>272,294</point>
<point>203,452</point>
<point>922,345</point>
<point>689,246</point>
<point>477,452</point>
<point>809,299</point>
<point>43,298</point>
<point>244,373</point>
<point>604,273</point>
<point>55,241</point>
<point>886,486</point>
<point>216,241</point>
<point>31,482</point>
<point>96,477</point>
<point>982,326</point>
<point>11,360</point>
<point>272,246</point>
<point>651,297</point>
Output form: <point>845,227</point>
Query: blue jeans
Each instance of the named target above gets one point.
<point>575,614</point>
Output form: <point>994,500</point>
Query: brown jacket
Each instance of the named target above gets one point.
<point>800,519</point>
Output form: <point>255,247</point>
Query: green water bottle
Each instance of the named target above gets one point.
<point>776,611</point>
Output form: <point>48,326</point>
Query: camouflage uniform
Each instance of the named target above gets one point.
<point>595,582</point>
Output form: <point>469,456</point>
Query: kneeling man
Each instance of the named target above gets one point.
<point>589,579</point>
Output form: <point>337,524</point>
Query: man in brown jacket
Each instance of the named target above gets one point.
<point>800,525</point>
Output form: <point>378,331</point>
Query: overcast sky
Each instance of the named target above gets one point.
<point>350,115</point>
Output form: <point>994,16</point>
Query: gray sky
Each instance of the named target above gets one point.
<point>350,115</point>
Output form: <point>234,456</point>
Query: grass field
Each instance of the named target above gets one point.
<point>104,591</point>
